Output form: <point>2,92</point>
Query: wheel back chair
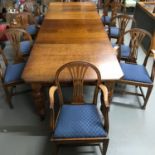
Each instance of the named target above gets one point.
<point>139,73</point>
<point>119,25</point>
<point>21,42</point>
<point>10,76</point>
<point>78,122</point>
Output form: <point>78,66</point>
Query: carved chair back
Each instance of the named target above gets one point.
<point>137,35</point>
<point>15,36</point>
<point>77,72</point>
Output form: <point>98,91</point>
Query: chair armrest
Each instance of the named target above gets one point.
<point>51,95</point>
<point>153,52</point>
<point>153,68</point>
<point>105,96</point>
<point>105,106</point>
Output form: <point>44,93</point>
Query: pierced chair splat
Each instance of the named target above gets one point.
<point>21,42</point>
<point>129,52</point>
<point>119,25</point>
<point>139,73</point>
<point>86,125</point>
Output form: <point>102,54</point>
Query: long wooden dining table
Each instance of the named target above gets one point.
<point>70,31</point>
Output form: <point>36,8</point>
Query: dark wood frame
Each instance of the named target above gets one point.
<point>77,70</point>
<point>140,85</point>
<point>8,87</point>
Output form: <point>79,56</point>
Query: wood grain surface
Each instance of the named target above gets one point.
<point>77,36</point>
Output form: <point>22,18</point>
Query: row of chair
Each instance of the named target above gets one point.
<point>134,73</point>
<point>21,30</point>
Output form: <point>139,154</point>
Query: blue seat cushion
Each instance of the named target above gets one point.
<point>106,19</point>
<point>25,47</point>
<point>13,72</point>
<point>39,19</point>
<point>79,121</point>
<point>32,29</point>
<point>135,72</point>
<point>125,50</point>
<point>114,31</point>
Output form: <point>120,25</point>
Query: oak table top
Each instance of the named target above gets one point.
<point>79,36</point>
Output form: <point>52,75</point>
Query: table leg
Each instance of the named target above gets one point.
<point>110,85</point>
<point>39,100</point>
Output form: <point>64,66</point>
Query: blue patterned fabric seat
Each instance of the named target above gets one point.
<point>25,47</point>
<point>32,29</point>
<point>114,31</point>
<point>13,72</point>
<point>125,51</point>
<point>135,72</point>
<point>79,121</point>
<point>105,19</point>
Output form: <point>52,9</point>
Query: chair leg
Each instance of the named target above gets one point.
<point>105,146</point>
<point>8,97</point>
<point>54,149</point>
<point>147,97</point>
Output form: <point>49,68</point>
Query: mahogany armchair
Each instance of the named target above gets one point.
<point>78,121</point>
<point>21,42</point>
<point>114,7</point>
<point>139,74</point>
<point>118,26</point>
<point>10,76</point>
<point>129,52</point>
<point>27,21</point>
<point>35,9</point>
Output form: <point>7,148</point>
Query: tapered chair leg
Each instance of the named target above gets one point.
<point>8,97</point>
<point>55,150</point>
<point>147,97</point>
<point>105,146</point>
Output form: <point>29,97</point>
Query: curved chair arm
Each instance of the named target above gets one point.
<point>105,96</point>
<point>51,94</point>
<point>153,68</point>
<point>105,106</point>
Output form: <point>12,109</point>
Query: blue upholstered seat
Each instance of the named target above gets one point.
<point>106,19</point>
<point>39,19</point>
<point>13,72</point>
<point>32,29</point>
<point>135,72</point>
<point>25,47</point>
<point>125,50</point>
<point>114,31</point>
<point>79,121</point>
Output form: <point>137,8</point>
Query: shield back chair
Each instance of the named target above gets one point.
<point>35,9</point>
<point>10,76</point>
<point>21,42</point>
<point>129,52</point>
<point>119,25</point>
<point>38,14</point>
<point>114,7</point>
<point>78,122</point>
<point>28,22</point>
<point>140,75</point>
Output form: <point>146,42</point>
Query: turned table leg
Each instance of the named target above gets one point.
<point>39,100</point>
<point>110,85</point>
